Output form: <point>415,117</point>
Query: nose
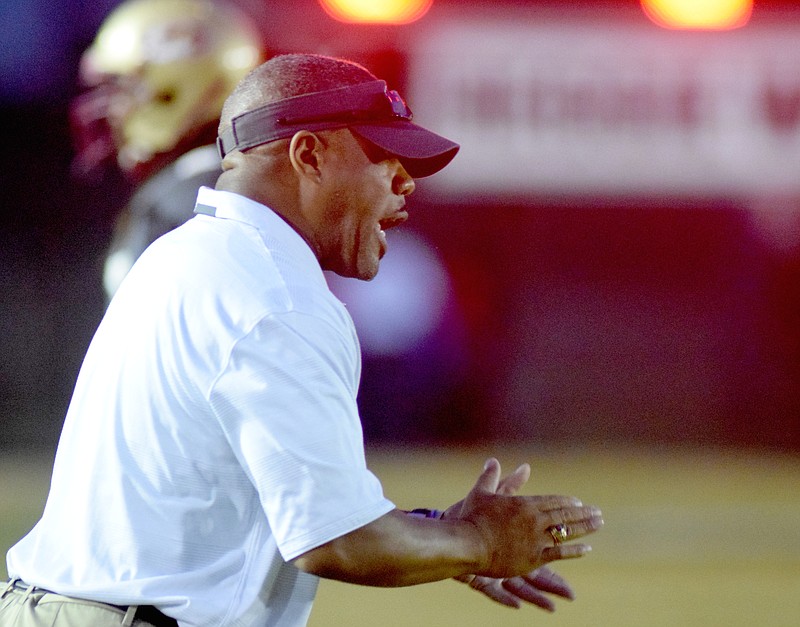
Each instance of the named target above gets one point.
<point>402,183</point>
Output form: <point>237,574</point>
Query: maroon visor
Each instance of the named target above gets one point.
<point>370,110</point>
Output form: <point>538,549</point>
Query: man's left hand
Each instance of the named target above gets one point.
<point>531,588</point>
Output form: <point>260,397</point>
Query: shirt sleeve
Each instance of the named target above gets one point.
<point>287,403</point>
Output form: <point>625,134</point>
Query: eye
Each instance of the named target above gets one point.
<point>165,96</point>
<point>374,153</point>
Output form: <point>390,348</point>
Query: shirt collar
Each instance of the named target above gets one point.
<point>274,230</point>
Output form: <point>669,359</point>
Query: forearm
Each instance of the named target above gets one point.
<point>399,550</point>
<point>489,534</point>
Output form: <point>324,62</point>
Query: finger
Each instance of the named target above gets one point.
<point>493,588</point>
<point>581,528</point>
<point>526,592</point>
<point>546,580</point>
<point>578,521</point>
<point>564,552</point>
<point>554,502</point>
<point>511,484</point>
<point>572,515</point>
<point>489,478</point>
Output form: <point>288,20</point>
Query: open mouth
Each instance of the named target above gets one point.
<point>393,221</point>
<point>390,222</point>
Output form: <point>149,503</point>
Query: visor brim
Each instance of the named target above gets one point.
<point>422,152</point>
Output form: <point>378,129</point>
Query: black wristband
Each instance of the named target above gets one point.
<point>426,513</point>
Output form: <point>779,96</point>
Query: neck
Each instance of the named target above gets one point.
<point>283,200</point>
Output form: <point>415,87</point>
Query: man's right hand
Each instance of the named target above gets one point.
<point>516,529</point>
<point>488,534</point>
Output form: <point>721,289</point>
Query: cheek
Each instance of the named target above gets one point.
<point>364,203</point>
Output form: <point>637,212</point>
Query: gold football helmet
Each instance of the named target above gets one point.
<point>157,73</point>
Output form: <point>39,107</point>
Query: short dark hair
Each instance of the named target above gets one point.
<point>288,75</point>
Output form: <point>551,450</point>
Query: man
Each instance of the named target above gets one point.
<point>211,465</point>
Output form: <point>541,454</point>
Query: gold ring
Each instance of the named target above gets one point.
<point>560,533</point>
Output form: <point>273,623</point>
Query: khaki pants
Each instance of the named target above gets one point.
<point>27,606</point>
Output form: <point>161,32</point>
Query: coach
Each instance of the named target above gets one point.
<point>211,465</point>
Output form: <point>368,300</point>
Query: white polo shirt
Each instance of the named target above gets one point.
<point>213,434</point>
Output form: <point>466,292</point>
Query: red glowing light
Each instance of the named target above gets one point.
<point>699,14</point>
<point>376,11</point>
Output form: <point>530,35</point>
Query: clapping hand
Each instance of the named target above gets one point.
<point>533,587</point>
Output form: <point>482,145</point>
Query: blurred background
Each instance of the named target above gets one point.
<point>611,263</point>
<point>614,254</point>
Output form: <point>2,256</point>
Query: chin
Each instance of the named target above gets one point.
<point>361,275</point>
<point>367,274</point>
<point>363,268</point>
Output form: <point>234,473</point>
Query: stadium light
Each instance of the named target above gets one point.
<point>699,14</point>
<point>376,11</point>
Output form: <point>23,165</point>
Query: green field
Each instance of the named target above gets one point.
<point>692,538</point>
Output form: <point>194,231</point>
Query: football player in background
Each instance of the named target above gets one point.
<point>155,78</point>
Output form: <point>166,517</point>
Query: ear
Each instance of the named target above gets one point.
<point>306,153</point>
